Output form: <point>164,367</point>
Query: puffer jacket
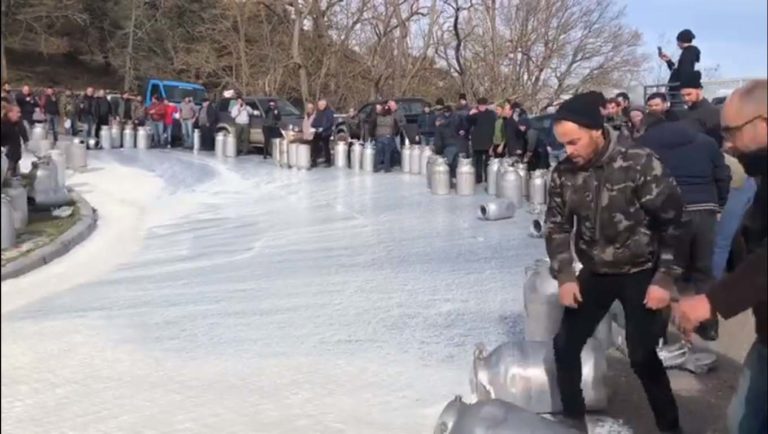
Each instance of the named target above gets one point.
<point>694,160</point>
<point>704,117</point>
<point>447,134</point>
<point>626,210</point>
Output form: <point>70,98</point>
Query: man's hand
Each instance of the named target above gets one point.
<point>656,298</point>
<point>690,312</point>
<point>665,57</point>
<point>570,295</point>
<point>473,111</point>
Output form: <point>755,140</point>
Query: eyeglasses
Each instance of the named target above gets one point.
<point>729,130</point>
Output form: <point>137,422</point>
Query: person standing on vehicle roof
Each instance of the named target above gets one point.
<point>685,68</point>
<point>624,210</point>
<point>271,129</point>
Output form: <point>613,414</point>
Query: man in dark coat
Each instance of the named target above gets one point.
<point>449,142</point>
<point>27,103</point>
<point>482,126</point>
<point>102,112</point>
<point>271,128</point>
<point>323,126</point>
<point>698,166</point>
<point>514,140</point>
<point>659,104</point>
<point>87,112</point>
<point>207,120</point>
<point>50,105</point>
<point>701,115</point>
<point>12,134</point>
<point>684,69</point>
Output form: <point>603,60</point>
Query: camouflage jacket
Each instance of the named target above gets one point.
<point>626,211</point>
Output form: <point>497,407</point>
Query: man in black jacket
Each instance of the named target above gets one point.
<point>12,134</point>
<point>449,142</point>
<point>50,106</point>
<point>514,141</point>
<point>102,110</point>
<point>87,112</point>
<point>207,121</point>
<point>701,114</point>
<point>271,128</point>
<point>482,125</point>
<point>745,126</point>
<point>659,104</point>
<point>698,166</point>
<point>27,103</point>
<point>685,68</point>
<point>624,210</point>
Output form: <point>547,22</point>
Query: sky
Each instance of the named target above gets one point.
<point>731,34</point>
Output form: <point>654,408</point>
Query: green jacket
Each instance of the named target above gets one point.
<point>498,133</point>
<point>66,106</point>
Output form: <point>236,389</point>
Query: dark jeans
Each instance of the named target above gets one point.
<point>53,125</point>
<point>385,147</point>
<point>322,144</point>
<point>481,162</point>
<point>747,413</point>
<point>207,138</point>
<point>642,329</point>
<point>694,249</point>
<point>451,154</point>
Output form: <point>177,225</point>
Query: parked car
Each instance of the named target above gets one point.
<point>352,126</point>
<point>173,91</point>
<point>291,117</point>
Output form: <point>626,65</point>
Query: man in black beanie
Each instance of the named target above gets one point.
<point>702,115</point>
<point>686,64</point>
<point>482,125</point>
<point>625,210</point>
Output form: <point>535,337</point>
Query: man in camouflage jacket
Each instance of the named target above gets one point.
<point>625,210</point>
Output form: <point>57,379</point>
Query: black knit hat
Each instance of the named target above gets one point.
<point>686,36</point>
<point>482,101</point>
<point>463,96</point>
<point>583,110</point>
<point>691,81</point>
<point>440,102</point>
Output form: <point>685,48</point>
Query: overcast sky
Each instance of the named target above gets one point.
<point>730,33</point>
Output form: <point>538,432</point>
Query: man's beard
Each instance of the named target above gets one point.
<point>755,163</point>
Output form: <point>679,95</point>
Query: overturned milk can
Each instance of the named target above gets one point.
<point>499,209</point>
<point>523,373</point>
<point>493,417</point>
<point>465,177</point>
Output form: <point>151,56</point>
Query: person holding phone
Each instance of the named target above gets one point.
<point>686,64</point>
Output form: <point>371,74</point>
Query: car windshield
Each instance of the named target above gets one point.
<point>284,106</point>
<point>176,94</point>
<point>410,107</point>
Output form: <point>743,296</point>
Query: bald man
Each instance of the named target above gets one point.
<point>744,123</point>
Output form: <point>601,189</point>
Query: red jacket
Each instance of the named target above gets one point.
<point>157,111</point>
<point>170,110</point>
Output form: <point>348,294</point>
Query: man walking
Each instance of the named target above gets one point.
<point>745,127</point>
<point>698,167</point>
<point>625,210</point>
<point>188,114</point>
<point>482,125</point>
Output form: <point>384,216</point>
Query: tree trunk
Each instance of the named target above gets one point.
<point>4,15</point>
<point>296,52</point>
<point>128,73</point>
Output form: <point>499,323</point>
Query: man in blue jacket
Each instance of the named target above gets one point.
<point>698,166</point>
<point>323,126</point>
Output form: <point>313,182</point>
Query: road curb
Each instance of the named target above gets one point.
<point>58,247</point>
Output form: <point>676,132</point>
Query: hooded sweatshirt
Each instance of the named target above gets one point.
<point>686,65</point>
<point>694,160</point>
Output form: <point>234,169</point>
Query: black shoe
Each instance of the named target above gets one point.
<point>674,431</point>
<point>709,329</point>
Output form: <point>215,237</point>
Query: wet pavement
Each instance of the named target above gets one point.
<point>271,301</point>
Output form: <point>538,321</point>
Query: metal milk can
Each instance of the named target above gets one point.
<point>441,177</point>
<point>425,154</point>
<point>4,168</point>
<point>282,148</point>
<point>415,166</point>
<point>58,158</point>
<point>197,140</point>
<point>7,226</point>
<point>293,149</point>
<point>92,141</point>
<point>230,146</point>
<point>46,189</point>
<point>369,157</point>
<point>492,175</point>
<point>497,210</point>
<point>77,156</point>
<point>115,135</point>
<point>356,156</point>
<point>39,132</point>
<point>538,189</point>
<point>465,177</point>
<point>18,197</point>
<point>522,169</point>
<point>510,186</point>
<point>340,155</point>
<point>405,160</point>
<point>221,137</point>
<point>129,137</point>
<point>105,138</point>
<point>142,138</point>
<point>303,156</point>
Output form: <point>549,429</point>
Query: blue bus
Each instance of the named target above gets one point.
<point>173,91</point>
